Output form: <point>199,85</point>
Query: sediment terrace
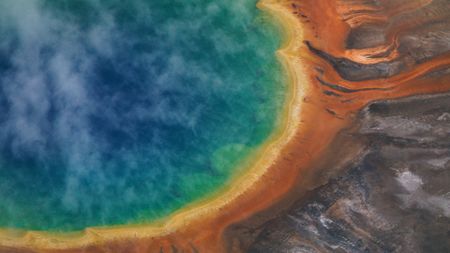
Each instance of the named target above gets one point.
<point>383,173</point>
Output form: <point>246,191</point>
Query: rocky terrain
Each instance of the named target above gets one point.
<point>393,198</point>
<point>384,183</point>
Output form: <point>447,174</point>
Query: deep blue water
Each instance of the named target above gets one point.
<point>118,112</point>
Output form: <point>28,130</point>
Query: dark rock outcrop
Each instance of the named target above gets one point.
<point>394,198</point>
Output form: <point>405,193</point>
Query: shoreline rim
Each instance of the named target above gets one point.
<point>252,171</point>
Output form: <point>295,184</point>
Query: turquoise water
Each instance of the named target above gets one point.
<point>121,112</point>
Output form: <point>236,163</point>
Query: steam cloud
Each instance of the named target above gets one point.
<point>54,103</point>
